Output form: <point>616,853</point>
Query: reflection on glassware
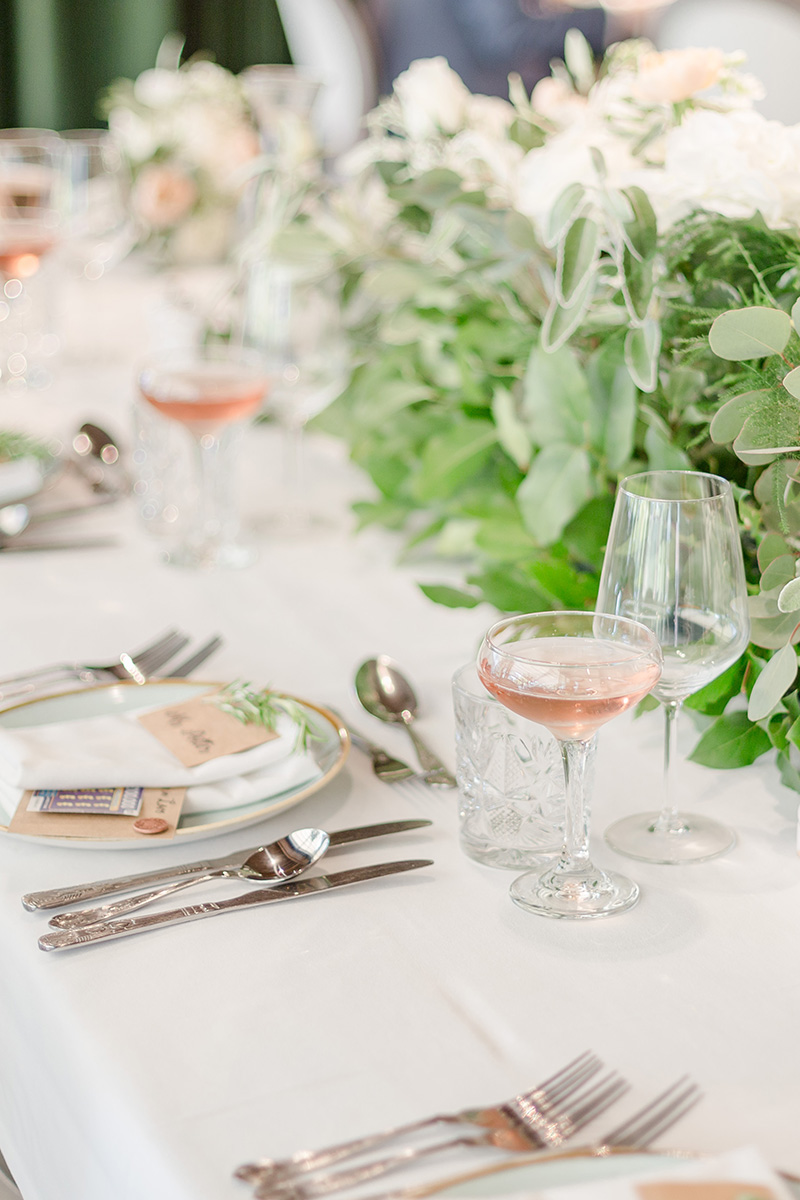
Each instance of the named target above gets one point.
<point>99,231</point>
<point>211,392</point>
<point>32,198</point>
<point>293,318</point>
<point>571,672</point>
<point>282,99</point>
<point>674,562</point>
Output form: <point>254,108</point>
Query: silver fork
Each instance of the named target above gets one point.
<point>637,1133</point>
<point>195,660</point>
<point>527,1129</point>
<point>542,1099</point>
<point>144,661</point>
<point>386,767</point>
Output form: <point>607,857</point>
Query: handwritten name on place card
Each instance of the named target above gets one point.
<point>197,731</point>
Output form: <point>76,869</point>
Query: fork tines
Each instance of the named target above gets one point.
<point>657,1117</point>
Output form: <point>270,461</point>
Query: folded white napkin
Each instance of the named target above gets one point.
<point>116,751</point>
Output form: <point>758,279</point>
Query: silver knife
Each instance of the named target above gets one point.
<point>123,926</point>
<point>125,883</point>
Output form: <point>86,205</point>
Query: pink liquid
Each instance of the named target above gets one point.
<point>206,396</point>
<point>571,685</point>
<point>19,258</point>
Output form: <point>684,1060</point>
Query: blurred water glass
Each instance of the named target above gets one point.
<point>510,781</point>
<point>99,230</point>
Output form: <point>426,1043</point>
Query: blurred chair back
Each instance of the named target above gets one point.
<point>767,30</point>
<point>329,38</point>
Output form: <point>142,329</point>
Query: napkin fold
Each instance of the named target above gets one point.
<point>116,751</point>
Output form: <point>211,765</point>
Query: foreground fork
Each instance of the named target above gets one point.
<point>637,1133</point>
<point>126,666</point>
<point>541,1100</point>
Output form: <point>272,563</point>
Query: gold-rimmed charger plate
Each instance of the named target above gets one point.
<point>536,1173</point>
<point>330,752</point>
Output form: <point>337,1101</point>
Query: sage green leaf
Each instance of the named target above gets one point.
<point>560,323</point>
<point>450,460</point>
<point>505,538</point>
<point>779,572</point>
<point>776,678</point>
<point>715,697</point>
<point>511,433</point>
<point>431,190</point>
<point>790,776</point>
<point>395,281</point>
<point>556,399</point>
<point>777,729</point>
<point>562,584</point>
<point>520,231</point>
<point>579,60</point>
<point>587,533</point>
<point>641,232</point>
<point>503,588</point>
<point>450,597</point>
<point>614,398</point>
<point>772,546</point>
<point>754,332</point>
<point>599,163</point>
<point>642,348</point>
<point>791,381</point>
<point>556,487</point>
<point>793,734</point>
<point>563,212</point>
<point>578,252</point>
<point>789,598</point>
<point>773,632</point>
<point>796,314</point>
<point>727,422</point>
<point>732,741</point>
<point>638,281</point>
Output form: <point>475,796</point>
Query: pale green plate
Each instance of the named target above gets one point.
<point>329,751</point>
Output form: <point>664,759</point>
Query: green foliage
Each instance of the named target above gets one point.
<point>264,707</point>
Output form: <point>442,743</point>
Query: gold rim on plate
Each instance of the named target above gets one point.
<point>190,832</point>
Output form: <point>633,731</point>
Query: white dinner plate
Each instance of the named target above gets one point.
<point>329,752</point>
<point>508,1178</point>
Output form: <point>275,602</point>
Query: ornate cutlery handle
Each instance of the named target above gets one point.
<point>82,917</point>
<point>53,897</point>
<point>437,773</point>
<point>324,1185</point>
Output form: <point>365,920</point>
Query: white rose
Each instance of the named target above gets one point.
<point>489,115</point>
<point>136,137</point>
<point>158,88</point>
<point>432,98</point>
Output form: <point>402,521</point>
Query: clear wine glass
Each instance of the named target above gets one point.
<point>32,200</point>
<point>100,231</point>
<point>674,562</point>
<point>210,391</point>
<point>293,318</point>
<point>571,672</point>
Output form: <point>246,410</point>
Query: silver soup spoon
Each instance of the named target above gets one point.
<point>281,860</point>
<point>386,693</point>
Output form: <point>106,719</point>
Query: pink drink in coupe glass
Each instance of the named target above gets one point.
<point>586,700</point>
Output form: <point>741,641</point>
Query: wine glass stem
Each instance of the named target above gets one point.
<point>577,758</point>
<point>668,819</point>
<point>208,453</point>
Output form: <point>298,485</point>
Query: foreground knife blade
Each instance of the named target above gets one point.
<point>125,883</point>
<point>122,927</point>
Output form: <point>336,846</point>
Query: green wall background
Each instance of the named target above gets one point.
<point>57,56</point>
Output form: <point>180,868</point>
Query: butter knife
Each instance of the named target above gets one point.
<point>123,926</point>
<point>55,897</point>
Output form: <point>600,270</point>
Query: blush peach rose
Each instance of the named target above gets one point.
<point>163,195</point>
<point>675,75</point>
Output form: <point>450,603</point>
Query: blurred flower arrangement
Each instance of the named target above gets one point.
<point>530,287</point>
<point>189,138</point>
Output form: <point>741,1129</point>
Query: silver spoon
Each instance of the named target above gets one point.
<point>95,451</point>
<point>386,693</point>
<point>281,860</point>
<point>15,518</point>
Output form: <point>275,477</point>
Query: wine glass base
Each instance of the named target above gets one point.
<point>230,556</point>
<point>579,895</point>
<point>695,839</point>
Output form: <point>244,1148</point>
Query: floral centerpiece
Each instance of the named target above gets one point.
<point>531,286</point>
<point>188,137</point>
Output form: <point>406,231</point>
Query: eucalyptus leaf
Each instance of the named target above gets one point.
<point>773,429</point>
<point>450,597</point>
<point>795,314</point>
<point>791,381</point>
<point>641,231</point>
<point>732,741</point>
<point>638,281</point>
<point>556,487</point>
<point>778,573</point>
<point>772,546</point>
<point>789,598</point>
<point>727,422</point>
<point>753,332</point>
<point>776,678</point>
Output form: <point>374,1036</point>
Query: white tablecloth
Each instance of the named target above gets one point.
<point>153,1066</point>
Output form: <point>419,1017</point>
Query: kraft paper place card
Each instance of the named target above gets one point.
<point>100,814</point>
<point>197,731</point>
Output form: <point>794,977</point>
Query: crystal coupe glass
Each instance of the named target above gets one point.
<point>674,562</point>
<point>571,672</point>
